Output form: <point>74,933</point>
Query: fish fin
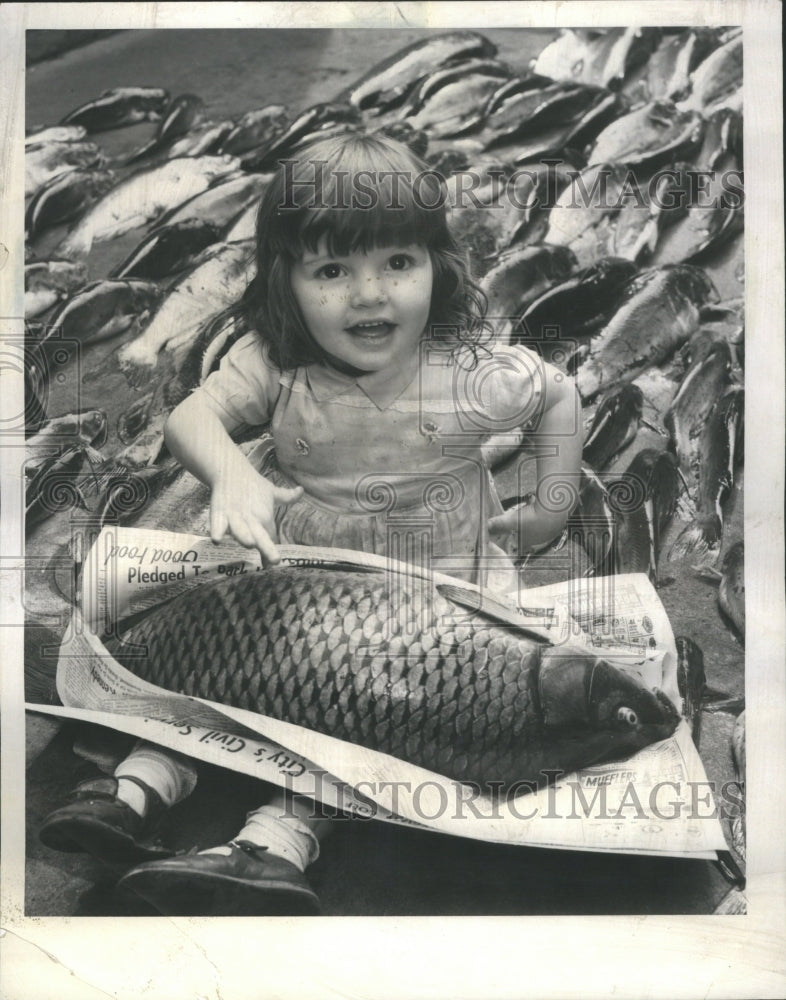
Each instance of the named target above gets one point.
<point>486,605</point>
<point>703,536</point>
<point>596,429</point>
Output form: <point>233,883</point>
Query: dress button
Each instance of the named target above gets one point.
<point>302,446</point>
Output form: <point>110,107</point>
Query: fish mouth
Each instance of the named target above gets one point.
<point>371,331</point>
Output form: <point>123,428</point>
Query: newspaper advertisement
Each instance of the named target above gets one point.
<point>657,802</point>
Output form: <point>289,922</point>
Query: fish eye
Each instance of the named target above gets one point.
<point>627,715</point>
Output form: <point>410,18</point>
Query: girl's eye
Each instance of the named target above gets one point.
<point>400,262</point>
<point>329,271</point>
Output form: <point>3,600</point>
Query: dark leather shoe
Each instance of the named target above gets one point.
<point>248,882</point>
<point>95,821</point>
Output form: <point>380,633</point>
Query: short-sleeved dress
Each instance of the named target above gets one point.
<point>397,472</point>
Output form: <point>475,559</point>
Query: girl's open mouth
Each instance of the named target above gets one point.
<point>375,330</point>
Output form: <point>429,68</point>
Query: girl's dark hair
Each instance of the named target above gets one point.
<point>360,192</point>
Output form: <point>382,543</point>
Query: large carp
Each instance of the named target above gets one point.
<point>431,673</point>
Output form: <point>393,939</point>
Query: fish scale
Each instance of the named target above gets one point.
<point>465,698</point>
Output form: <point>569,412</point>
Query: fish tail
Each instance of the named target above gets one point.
<point>702,537</point>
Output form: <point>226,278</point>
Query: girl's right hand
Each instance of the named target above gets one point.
<point>245,503</point>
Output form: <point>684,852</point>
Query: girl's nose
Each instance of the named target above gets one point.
<point>368,289</point>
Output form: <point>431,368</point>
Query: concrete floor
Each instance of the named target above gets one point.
<point>366,868</point>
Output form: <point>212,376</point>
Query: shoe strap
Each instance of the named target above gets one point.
<point>154,804</point>
<point>105,788</point>
<point>247,847</point>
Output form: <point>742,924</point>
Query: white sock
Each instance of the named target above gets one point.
<point>284,836</point>
<point>170,774</point>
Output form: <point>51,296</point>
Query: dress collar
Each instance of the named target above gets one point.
<point>328,383</point>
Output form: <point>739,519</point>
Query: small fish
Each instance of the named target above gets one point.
<point>221,203</point>
<point>103,309</point>
<point>602,57</point>
<point>717,82</point>
<point>454,71</point>
<point>722,142</point>
<point>180,115</point>
<point>55,133</point>
<point>519,277</point>
<point>687,417</point>
<point>691,682</point>
<point>721,451</point>
<point>314,120</point>
<point>46,161</point>
<point>526,200</point>
<point>580,304</point>
<point>391,80</point>
<point>454,108</point>
<point>587,127</point>
<point>525,113</point>
<point>657,133</point>
<point>515,85</point>
<point>593,523</point>
<point>731,584</point>
<point>168,249</point>
<point>144,196</point>
<point>64,198</point>
<point>53,485</point>
<point>614,426</point>
<point>704,228</point>
<point>203,356</point>
<point>135,419</point>
<point>255,128</point>
<point>592,194</point>
<point>670,65</point>
<point>205,139</point>
<point>643,501</point>
<point>118,107</point>
<point>467,710</point>
<point>83,427</point>
<point>217,280</point>
<point>47,282</point>
<point>510,208</point>
<point>124,492</point>
<point>659,312</point>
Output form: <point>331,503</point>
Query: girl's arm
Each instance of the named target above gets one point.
<point>557,442</point>
<point>241,500</point>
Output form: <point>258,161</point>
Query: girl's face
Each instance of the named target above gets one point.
<point>367,310</point>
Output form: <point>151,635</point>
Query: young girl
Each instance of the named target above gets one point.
<point>366,360</point>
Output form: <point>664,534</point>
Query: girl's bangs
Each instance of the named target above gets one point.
<point>359,229</point>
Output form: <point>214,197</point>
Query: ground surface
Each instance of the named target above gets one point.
<point>366,868</point>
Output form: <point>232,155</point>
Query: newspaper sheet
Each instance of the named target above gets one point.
<point>657,802</point>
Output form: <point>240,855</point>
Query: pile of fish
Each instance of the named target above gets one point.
<point>599,194</point>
